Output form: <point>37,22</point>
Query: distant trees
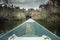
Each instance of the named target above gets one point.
<point>17,8</point>
<point>52,22</point>
<point>10,17</point>
<point>53,7</point>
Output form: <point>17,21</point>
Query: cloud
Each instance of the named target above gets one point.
<point>20,1</point>
<point>28,3</point>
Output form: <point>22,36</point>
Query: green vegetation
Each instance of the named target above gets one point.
<point>20,15</point>
<point>10,18</point>
<point>40,16</point>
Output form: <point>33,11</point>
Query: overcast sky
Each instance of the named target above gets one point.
<point>28,3</point>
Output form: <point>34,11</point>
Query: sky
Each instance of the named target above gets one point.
<point>28,3</point>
